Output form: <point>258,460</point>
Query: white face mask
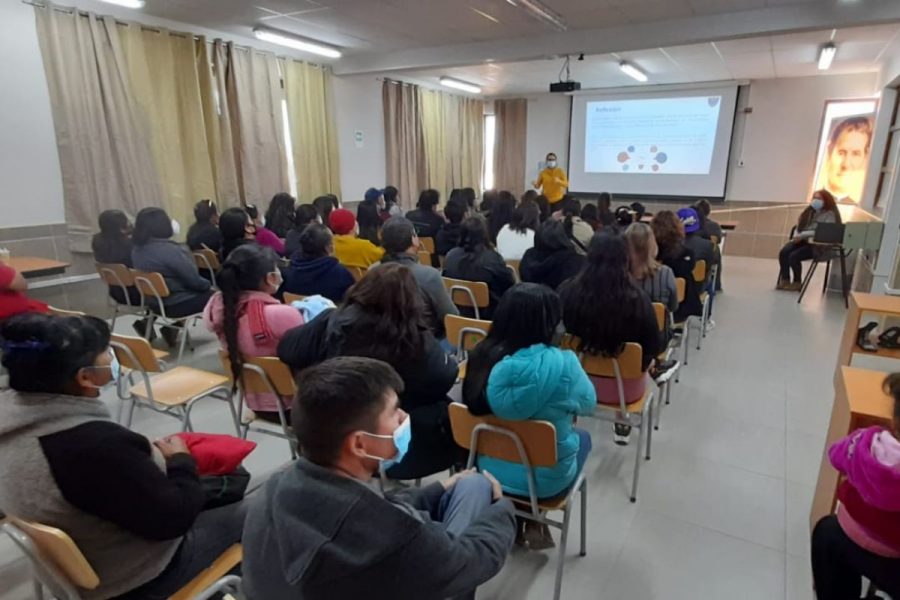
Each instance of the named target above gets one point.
<point>551,164</point>
<point>176,227</point>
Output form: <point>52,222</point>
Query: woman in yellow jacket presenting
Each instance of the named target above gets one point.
<point>552,181</point>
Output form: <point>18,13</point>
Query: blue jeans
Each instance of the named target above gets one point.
<point>461,505</point>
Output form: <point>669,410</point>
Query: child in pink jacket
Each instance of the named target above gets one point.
<point>248,320</point>
<point>863,538</point>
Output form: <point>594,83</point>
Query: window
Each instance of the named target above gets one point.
<point>490,130</point>
<point>289,149</point>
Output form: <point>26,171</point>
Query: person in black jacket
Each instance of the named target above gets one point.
<point>204,233</point>
<point>237,229</point>
<point>382,317</point>
<point>702,249</point>
<point>553,259</point>
<point>448,237</point>
<point>425,217</point>
<point>135,508</point>
<point>475,260</point>
<point>669,234</point>
<point>314,269</point>
<point>280,214</point>
<point>303,216</point>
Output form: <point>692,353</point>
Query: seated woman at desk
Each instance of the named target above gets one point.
<point>863,538</point>
<point>822,209</point>
<point>13,300</point>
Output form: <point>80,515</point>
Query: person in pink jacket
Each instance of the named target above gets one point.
<point>863,538</point>
<point>264,237</point>
<point>248,320</point>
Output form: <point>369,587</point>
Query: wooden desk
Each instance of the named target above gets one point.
<point>30,266</point>
<point>859,401</point>
<point>864,303</point>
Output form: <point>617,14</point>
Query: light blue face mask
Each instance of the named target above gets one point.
<point>817,204</point>
<point>115,369</point>
<point>402,437</point>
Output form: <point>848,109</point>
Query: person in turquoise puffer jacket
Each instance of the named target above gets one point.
<point>518,373</point>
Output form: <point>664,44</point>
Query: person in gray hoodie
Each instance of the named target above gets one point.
<point>320,529</point>
<point>401,245</point>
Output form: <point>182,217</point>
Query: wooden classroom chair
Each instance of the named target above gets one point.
<point>152,286</point>
<point>290,298</point>
<point>207,260</point>
<point>468,294</point>
<point>119,276</point>
<point>531,444</point>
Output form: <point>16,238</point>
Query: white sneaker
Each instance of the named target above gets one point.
<point>710,325</point>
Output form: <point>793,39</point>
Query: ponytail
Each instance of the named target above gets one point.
<point>231,292</point>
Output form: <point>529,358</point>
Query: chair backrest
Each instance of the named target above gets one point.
<point>468,293</point>
<point>151,284</point>
<point>211,259</point>
<point>56,547</point>
<point>514,265</point>
<point>829,233</point>
<point>465,333</point>
<point>289,297</point>
<point>135,353</point>
<point>262,375</point>
<point>427,244</point>
<point>699,271</point>
<point>660,310</point>
<point>604,366</point>
<point>115,274</point>
<point>538,438</point>
<point>424,257</point>
<point>62,312</point>
<point>680,287</point>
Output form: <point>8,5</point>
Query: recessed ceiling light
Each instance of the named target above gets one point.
<point>459,84</point>
<point>826,56</point>
<point>632,71</point>
<point>283,38</point>
<point>126,3</point>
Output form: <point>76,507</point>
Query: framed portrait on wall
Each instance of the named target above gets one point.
<point>845,143</point>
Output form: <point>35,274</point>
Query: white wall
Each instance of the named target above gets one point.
<point>780,136</point>
<point>548,131</point>
<point>358,107</point>
<point>30,180</point>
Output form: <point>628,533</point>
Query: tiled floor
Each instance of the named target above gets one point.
<point>722,506</point>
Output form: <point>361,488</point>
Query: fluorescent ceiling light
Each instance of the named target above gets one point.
<point>826,55</point>
<point>541,12</point>
<point>632,71</point>
<point>127,3</point>
<point>460,85</point>
<point>282,38</point>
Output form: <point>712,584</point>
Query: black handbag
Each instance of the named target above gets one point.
<point>221,490</point>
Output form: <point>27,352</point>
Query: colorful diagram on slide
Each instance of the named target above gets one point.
<point>651,158</point>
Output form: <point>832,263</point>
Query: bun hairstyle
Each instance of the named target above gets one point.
<point>43,352</point>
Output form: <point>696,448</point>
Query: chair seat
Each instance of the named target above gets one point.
<point>160,354</point>
<point>634,407</point>
<point>180,385</point>
<point>556,503</point>
<point>220,567</point>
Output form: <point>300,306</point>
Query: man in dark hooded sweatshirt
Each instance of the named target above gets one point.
<point>321,529</point>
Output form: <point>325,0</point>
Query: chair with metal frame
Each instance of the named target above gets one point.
<point>465,333</point>
<point>663,318</point>
<point>424,257</point>
<point>119,276</point>
<point>531,444</point>
<point>639,414</point>
<point>699,275</point>
<point>513,265</point>
<point>59,565</point>
<point>152,286</point>
<point>427,244</point>
<point>207,260</point>
<point>171,392</point>
<point>682,333</point>
<point>263,375</point>
<point>468,294</point>
<point>827,249</point>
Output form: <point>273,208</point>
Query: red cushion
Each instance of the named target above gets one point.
<point>217,454</point>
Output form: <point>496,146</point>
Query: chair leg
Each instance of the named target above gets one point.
<point>234,415</point>
<point>38,589</point>
<point>700,320</point>
<point>659,404</point>
<point>827,274</point>
<point>112,323</point>
<point>130,416</point>
<point>844,283</point>
<point>564,537</point>
<point>807,280</point>
<point>637,464</point>
<point>669,387</point>
<point>686,339</point>
<point>647,423</point>
<point>184,334</point>
<point>583,492</point>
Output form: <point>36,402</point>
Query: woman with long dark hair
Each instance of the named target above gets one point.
<point>425,217</point>
<point>248,320</point>
<point>303,216</point>
<point>204,232</point>
<point>501,213</point>
<point>475,260</point>
<point>553,258</point>
<point>822,209</point>
<point>264,236</point>
<point>325,204</point>
<point>669,234</point>
<point>391,203</point>
<point>237,229</point>
<point>369,220</point>
<point>517,236</point>
<point>604,309</point>
<point>383,317</point>
<point>280,214</point>
<point>578,231</point>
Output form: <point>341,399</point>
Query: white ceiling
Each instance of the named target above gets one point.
<point>860,50</point>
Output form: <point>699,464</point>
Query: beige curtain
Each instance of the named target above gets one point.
<point>313,135</point>
<point>467,144</point>
<point>105,159</point>
<point>212,66</point>
<point>403,140</point>
<point>453,132</point>
<point>254,97</point>
<point>435,106</point>
<point>511,125</point>
<point>164,78</point>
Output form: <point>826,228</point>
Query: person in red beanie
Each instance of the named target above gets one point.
<point>350,250</point>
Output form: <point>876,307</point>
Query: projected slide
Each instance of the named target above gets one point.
<point>662,136</point>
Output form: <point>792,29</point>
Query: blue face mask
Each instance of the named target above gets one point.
<point>817,204</point>
<point>115,369</point>
<point>402,437</point>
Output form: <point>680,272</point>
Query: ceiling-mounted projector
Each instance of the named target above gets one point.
<point>565,86</point>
